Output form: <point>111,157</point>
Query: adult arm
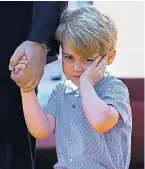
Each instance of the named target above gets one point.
<point>46,19</point>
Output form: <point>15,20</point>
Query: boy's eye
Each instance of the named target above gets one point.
<point>68,57</point>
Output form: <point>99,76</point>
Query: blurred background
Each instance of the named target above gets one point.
<point>127,66</point>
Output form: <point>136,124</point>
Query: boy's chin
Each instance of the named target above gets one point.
<point>76,82</point>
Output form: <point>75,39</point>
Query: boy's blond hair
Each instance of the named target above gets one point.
<point>87,31</point>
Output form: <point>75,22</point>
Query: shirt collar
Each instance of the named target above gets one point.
<point>70,87</point>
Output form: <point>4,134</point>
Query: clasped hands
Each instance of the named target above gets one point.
<point>33,55</point>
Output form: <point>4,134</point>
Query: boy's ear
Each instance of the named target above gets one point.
<point>111,56</point>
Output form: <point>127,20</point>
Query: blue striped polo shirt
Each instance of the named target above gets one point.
<point>78,145</point>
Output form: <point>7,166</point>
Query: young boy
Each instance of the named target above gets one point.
<point>90,112</point>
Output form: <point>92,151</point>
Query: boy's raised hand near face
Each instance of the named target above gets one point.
<point>95,72</point>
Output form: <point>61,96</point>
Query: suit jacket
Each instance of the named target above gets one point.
<point>20,21</point>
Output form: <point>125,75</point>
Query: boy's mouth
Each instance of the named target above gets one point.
<point>76,77</point>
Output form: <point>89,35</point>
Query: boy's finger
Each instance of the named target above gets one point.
<point>100,67</point>
<point>15,58</point>
<point>20,66</point>
<point>23,62</point>
<point>16,71</point>
<point>23,58</point>
<point>94,64</point>
<point>102,62</point>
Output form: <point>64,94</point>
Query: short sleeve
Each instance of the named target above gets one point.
<point>117,95</point>
<point>51,106</point>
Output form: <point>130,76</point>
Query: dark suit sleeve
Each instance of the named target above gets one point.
<point>45,21</point>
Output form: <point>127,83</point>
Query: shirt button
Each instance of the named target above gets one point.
<point>70,160</point>
<point>73,106</point>
<point>71,124</point>
<point>71,143</point>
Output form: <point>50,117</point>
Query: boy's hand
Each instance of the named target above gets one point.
<point>22,63</point>
<point>95,72</point>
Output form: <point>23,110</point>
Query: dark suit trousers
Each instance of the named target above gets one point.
<point>17,146</point>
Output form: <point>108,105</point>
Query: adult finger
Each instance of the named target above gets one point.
<point>22,84</point>
<point>30,83</point>
<point>32,87</point>
<point>19,78</point>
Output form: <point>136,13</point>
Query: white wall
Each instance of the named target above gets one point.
<point>129,20</point>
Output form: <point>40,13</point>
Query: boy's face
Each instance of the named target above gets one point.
<point>73,64</point>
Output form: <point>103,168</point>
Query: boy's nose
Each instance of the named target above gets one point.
<point>78,67</point>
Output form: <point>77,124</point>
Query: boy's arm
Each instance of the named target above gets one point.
<point>39,124</point>
<point>101,116</point>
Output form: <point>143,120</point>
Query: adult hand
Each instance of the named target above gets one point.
<point>29,77</point>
